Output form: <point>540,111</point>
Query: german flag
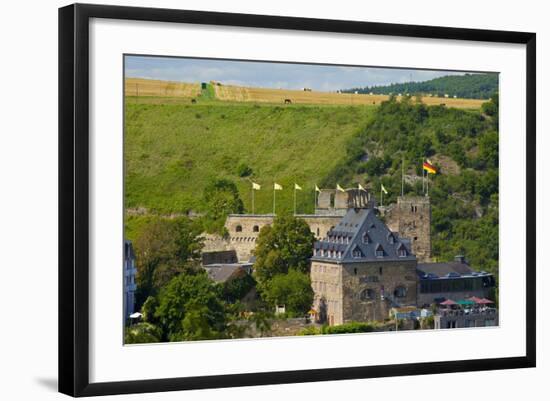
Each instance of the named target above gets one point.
<point>427,166</point>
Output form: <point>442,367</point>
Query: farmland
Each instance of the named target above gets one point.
<point>266,95</point>
<point>183,92</point>
<point>157,88</point>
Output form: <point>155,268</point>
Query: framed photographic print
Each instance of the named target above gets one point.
<point>249,199</point>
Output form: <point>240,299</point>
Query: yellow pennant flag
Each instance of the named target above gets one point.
<point>317,188</point>
<point>361,188</point>
<point>383,189</point>
<point>277,187</point>
<point>255,186</point>
<point>339,188</point>
<point>296,186</point>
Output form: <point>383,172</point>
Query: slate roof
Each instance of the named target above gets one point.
<point>345,243</point>
<point>432,271</point>
<point>220,273</point>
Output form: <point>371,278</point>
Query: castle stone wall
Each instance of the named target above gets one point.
<point>381,280</point>
<point>340,289</point>
<point>411,217</point>
<point>244,229</point>
<point>326,281</point>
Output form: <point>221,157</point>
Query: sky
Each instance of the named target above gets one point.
<point>271,75</point>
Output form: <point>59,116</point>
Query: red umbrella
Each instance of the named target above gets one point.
<point>485,301</point>
<point>475,299</point>
<point>448,302</point>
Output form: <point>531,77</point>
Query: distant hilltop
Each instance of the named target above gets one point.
<point>471,86</point>
<point>214,91</point>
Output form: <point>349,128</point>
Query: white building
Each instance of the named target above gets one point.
<point>129,279</point>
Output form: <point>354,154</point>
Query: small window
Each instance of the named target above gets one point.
<point>239,228</point>
<point>379,251</point>
<point>402,251</point>
<point>256,229</point>
<point>391,238</point>
<point>366,238</point>
<point>318,231</point>
<point>380,270</point>
<point>357,252</point>
<point>355,271</point>
<point>400,292</point>
<point>367,294</point>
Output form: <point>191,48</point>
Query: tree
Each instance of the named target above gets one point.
<point>292,290</point>
<point>244,170</point>
<point>164,248</point>
<point>221,197</point>
<point>190,308</point>
<point>142,333</point>
<point>288,243</point>
<point>488,149</point>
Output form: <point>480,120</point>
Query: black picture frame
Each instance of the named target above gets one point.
<point>74,198</point>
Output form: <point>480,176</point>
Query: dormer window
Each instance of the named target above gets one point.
<point>379,252</point>
<point>391,238</point>
<point>402,251</point>
<point>357,253</point>
<point>366,238</point>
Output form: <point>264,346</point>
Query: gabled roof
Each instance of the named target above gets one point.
<point>348,235</point>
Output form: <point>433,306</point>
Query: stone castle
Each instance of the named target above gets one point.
<point>410,218</point>
<point>367,260</point>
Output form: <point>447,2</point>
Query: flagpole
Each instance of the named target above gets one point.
<point>273,198</point>
<point>294,199</point>
<point>381,196</point>
<point>427,184</point>
<point>314,199</point>
<point>423,180</point>
<point>252,199</point>
<point>402,177</point>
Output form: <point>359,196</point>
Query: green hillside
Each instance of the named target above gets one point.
<point>470,86</point>
<point>172,151</point>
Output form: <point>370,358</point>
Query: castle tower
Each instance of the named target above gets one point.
<point>412,218</point>
<point>334,202</point>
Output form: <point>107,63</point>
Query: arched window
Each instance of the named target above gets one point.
<point>367,294</point>
<point>256,229</point>
<point>239,228</point>
<point>391,238</point>
<point>318,231</point>
<point>400,292</point>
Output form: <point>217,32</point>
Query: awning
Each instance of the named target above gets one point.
<point>448,302</point>
<point>485,301</point>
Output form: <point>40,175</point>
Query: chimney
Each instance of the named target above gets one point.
<point>460,259</point>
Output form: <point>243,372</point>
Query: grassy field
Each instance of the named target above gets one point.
<point>172,150</point>
<point>156,88</point>
<point>228,93</point>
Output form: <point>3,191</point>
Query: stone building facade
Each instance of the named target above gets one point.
<point>411,217</point>
<point>332,205</point>
<point>244,230</point>
<point>361,270</point>
<point>457,319</point>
